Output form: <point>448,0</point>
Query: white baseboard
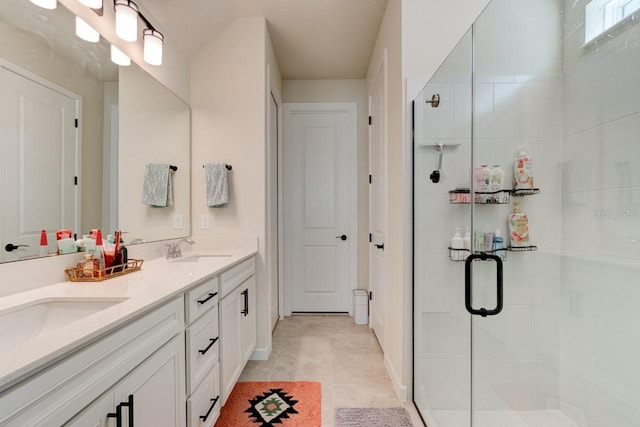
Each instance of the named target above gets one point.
<point>401,389</point>
<point>261,353</point>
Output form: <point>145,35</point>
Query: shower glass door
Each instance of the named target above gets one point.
<point>545,333</point>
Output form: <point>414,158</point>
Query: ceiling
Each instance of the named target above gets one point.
<point>313,39</point>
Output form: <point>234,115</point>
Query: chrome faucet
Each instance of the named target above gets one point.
<point>174,250</point>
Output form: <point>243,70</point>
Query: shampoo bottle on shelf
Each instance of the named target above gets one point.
<point>497,178</point>
<point>523,171</point>
<point>457,244</point>
<point>518,227</point>
<point>498,244</point>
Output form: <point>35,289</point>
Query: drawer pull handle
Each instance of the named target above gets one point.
<point>205,416</point>
<point>213,341</point>
<point>245,310</point>
<point>211,295</point>
<point>118,414</point>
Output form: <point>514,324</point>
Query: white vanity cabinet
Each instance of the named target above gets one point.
<point>237,322</point>
<point>143,359</point>
<point>202,344</point>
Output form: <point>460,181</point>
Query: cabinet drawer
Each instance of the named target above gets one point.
<point>236,275</point>
<point>203,347</point>
<point>205,401</point>
<point>201,299</point>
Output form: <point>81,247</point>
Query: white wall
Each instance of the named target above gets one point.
<point>344,91</point>
<point>228,103</point>
<point>154,127</point>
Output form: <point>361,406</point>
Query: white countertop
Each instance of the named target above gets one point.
<point>157,282</point>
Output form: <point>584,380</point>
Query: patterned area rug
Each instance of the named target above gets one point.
<point>272,404</point>
<point>372,417</point>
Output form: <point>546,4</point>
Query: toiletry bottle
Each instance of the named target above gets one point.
<point>497,177</point>
<point>498,244</point>
<point>98,262</point>
<point>44,243</point>
<point>483,178</point>
<point>478,244</point>
<point>523,172</point>
<point>466,243</point>
<point>488,242</point>
<point>457,244</point>
<point>518,227</point>
<point>86,264</point>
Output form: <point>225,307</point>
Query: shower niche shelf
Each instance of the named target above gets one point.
<point>521,192</point>
<point>529,248</point>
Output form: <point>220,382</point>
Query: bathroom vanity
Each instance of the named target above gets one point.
<point>161,346</point>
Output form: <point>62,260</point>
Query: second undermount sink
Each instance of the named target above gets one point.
<point>198,257</point>
<point>22,323</point>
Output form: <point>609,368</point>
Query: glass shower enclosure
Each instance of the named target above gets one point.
<point>543,329</point>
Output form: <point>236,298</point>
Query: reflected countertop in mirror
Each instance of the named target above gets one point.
<point>126,119</point>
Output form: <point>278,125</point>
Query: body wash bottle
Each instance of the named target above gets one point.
<point>498,244</point>
<point>523,171</point>
<point>518,227</point>
<point>457,244</point>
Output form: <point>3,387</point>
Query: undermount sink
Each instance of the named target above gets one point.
<point>197,257</point>
<point>22,323</point>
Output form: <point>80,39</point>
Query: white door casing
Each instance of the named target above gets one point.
<point>378,201</point>
<point>39,152</point>
<point>320,205</point>
<point>272,207</point>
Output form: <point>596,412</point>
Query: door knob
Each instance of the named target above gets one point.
<point>381,246</point>
<point>342,237</point>
<point>11,247</point>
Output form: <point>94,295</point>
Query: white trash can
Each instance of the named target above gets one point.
<point>360,306</point>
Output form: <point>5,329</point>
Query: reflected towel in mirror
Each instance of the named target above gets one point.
<point>157,189</point>
<point>216,187</point>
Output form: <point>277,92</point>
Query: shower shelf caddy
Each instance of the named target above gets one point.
<point>462,196</point>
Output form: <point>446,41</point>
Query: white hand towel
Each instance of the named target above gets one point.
<point>157,189</point>
<point>216,187</point>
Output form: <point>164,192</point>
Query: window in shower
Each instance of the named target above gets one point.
<point>602,15</point>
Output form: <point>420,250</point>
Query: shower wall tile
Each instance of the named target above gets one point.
<point>436,122</point>
<point>432,232</point>
<point>616,294</point>
<point>444,382</point>
<point>607,409</point>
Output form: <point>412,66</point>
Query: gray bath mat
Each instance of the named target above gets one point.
<point>372,417</point>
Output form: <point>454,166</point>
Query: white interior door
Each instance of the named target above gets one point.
<point>320,195</point>
<point>38,164</point>
<point>377,202</point>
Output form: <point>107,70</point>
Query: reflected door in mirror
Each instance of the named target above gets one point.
<point>38,162</point>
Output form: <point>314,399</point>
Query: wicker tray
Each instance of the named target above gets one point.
<point>76,274</point>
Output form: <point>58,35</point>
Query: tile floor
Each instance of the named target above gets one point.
<point>344,357</point>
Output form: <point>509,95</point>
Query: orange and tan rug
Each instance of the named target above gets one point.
<point>272,404</point>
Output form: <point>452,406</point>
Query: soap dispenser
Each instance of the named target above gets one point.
<point>466,243</point>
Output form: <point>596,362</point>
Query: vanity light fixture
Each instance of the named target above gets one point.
<point>152,46</point>
<point>118,57</point>
<point>46,4</point>
<point>85,31</point>
<point>126,19</point>
<point>93,4</point>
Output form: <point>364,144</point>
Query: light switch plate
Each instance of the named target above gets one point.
<point>204,222</point>
<point>178,221</point>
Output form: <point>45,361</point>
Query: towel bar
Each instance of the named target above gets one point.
<point>229,167</point>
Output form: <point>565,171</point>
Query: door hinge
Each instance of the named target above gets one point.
<point>370,238</point>
<point>370,295</point>
<point>370,178</point>
<point>370,120</point>
<point>76,123</point>
<point>75,180</point>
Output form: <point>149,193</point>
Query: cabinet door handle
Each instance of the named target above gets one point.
<point>245,310</point>
<point>211,295</point>
<point>118,414</point>
<point>211,343</point>
<point>205,416</point>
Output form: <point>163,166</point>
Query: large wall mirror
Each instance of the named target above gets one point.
<point>126,120</point>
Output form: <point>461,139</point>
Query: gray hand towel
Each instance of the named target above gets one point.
<point>157,189</point>
<point>217,189</point>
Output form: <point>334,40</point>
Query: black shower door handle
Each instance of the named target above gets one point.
<point>468,285</point>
